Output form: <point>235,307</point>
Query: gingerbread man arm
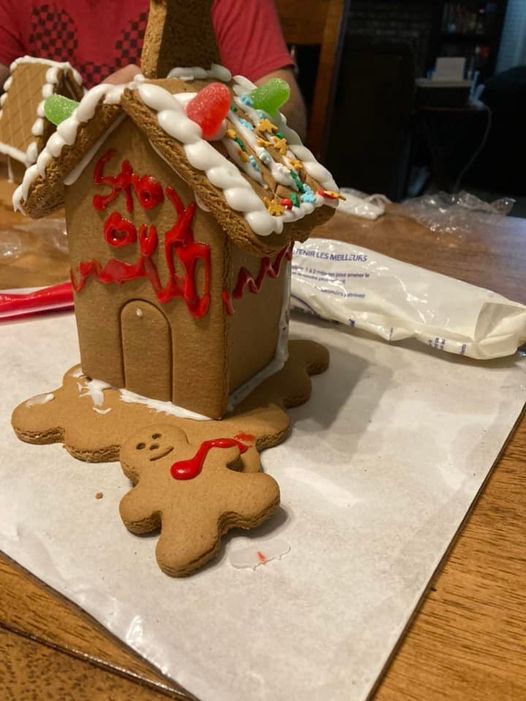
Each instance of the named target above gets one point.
<point>138,514</point>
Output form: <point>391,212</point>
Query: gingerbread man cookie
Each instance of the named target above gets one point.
<point>193,493</point>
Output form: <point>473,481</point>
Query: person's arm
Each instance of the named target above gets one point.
<point>4,72</point>
<point>251,43</point>
<point>11,44</point>
<point>294,110</point>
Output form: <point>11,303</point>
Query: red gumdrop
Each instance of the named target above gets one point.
<point>209,108</point>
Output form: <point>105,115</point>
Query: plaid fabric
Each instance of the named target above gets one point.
<point>54,36</point>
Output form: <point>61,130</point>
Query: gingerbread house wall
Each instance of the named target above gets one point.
<point>255,321</point>
<point>126,335</point>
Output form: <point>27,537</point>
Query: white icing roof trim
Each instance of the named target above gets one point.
<point>66,133</point>
<point>51,81</point>
<point>201,154</point>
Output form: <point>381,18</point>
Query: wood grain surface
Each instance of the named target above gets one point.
<point>468,639</point>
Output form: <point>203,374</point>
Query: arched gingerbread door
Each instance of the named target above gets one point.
<point>146,350</point>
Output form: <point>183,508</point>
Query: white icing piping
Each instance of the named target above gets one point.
<point>216,72</point>
<point>66,133</point>
<point>237,192</point>
<point>95,390</point>
<point>75,174</point>
<point>243,86</point>
<point>51,81</point>
<point>161,407</point>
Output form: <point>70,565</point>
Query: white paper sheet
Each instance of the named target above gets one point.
<point>381,468</point>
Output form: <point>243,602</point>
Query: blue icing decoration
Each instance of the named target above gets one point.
<point>262,114</point>
<point>265,157</point>
<point>308,195</point>
<point>246,100</point>
<point>253,162</point>
<point>246,124</point>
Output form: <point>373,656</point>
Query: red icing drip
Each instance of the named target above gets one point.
<point>188,469</point>
<point>178,244</point>
<point>245,278</point>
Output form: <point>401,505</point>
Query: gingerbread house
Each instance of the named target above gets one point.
<point>179,245</point>
<point>24,130</point>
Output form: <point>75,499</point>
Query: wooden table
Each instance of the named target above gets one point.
<point>468,639</point>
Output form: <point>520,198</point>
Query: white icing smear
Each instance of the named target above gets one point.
<point>161,407</point>
<point>257,554</point>
<point>40,399</point>
<point>95,390</point>
<point>216,72</point>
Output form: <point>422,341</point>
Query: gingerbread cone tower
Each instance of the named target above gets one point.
<point>179,33</point>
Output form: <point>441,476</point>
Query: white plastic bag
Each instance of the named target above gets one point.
<point>364,289</point>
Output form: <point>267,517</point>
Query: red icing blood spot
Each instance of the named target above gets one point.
<point>179,245</point>
<point>119,231</point>
<point>245,437</point>
<point>261,557</point>
<point>245,278</point>
<point>188,469</point>
<point>209,108</point>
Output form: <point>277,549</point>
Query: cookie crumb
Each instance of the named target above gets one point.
<point>99,495</point>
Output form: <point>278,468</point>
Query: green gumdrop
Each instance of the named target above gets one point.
<point>57,108</point>
<point>271,95</point>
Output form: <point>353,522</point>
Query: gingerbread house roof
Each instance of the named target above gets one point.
<point>23,127</point>
<point>256,178</point>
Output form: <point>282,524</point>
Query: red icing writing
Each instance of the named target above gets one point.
<point>149,191</point>
<point>245,278</point>
<point>188,469</point>
<point>179,244</point>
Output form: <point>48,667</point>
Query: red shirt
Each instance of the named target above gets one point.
<point>99,36</point>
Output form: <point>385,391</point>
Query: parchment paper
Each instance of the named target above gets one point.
<point>382,466</point>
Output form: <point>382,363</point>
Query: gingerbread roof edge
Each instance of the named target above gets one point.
<point>235,190</point>
<point>56,74</point>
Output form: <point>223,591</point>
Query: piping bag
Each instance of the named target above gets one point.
<point>366,290</point>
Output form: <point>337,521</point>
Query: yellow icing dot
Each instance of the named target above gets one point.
<point>274,207</point>
<point>281,145</point>
<point>265,125</point>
